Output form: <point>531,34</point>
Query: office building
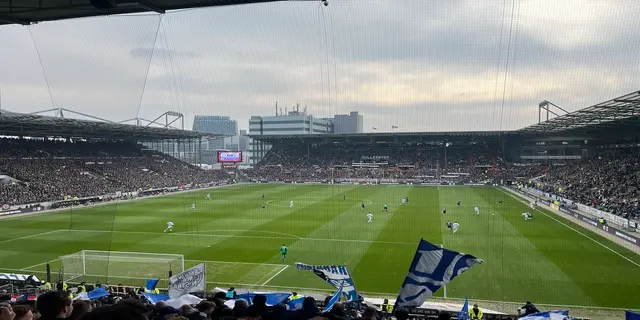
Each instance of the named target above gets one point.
<point>215,124</point>
<point>348,123</point>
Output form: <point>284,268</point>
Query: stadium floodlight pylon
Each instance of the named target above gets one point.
<point>105,265</point>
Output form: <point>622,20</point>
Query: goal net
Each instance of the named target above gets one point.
<point>93,265</point>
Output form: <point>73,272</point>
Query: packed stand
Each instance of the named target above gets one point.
<point>609,182</point>
<point>44,170</point>
<point>418,163</point>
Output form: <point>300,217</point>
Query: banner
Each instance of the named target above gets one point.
<point>334,275</point>
<point>191,280</point>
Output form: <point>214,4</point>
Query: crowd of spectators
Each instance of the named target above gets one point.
<point>423,163</point>
<point>45,170</point>
<point>609,181</point>
<point>58,305</point>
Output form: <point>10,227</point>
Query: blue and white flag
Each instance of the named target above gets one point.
<point>629,315</point>
<point>191,280</point>
<point>334,299</point>
<point>432,268</point>
<point>155,298</point>
<point>273,298</point>
<point>549,315</point>
<point>151,284</point>
<point>94,294</point>
<point>334,275</point>
<point>295,304</point>
<point>464,312</point>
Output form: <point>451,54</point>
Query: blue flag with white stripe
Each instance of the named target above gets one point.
<point>334,299</point>
<point>432,267</point>
<point>336,276</point>
<point>549,315</point>
<point>151,284</point>
<point>464,312</point>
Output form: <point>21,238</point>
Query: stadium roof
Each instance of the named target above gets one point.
<point>26,12</point>
<point>615,115</point>
<point>384,137</point>
<point>28,125</point>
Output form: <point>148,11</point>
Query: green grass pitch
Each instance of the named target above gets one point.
<point>539,260</point>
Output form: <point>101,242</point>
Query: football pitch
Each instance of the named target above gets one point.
<point>545,260</point>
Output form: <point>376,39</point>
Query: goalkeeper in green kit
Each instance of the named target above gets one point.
<point>283,251</point>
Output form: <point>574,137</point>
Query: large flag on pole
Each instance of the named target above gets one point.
<point>432,267</point>
<point>464,312</point>
<point>191,280</point>
<point>336,276</point>
<point>334,299</point>
<point>549,315</point>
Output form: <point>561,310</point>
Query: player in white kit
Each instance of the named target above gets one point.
<point>532,205</point>
<point>370,216</point>
<point>404,200</point>
<point>169,226</point>
<point>290,204</point>
<point>455,226</point>
<point>476,210</point>
<point>527,216</point>
<point>208,197</point>
<point>193,207</point>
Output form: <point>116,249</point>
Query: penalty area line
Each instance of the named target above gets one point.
<point>275,275</point>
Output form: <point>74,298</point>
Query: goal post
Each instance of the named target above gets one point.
<point>121,266</point>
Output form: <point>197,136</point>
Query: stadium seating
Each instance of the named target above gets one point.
<point>44,170</point>
<point>610,182</point>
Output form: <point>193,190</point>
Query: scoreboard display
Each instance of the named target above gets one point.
<point>229,156</point>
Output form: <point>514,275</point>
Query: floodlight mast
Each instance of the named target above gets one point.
<point>546,106</point>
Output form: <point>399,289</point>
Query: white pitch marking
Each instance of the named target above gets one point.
<point>577,231</point>
<point>31,236</point>
<point>275,275</point>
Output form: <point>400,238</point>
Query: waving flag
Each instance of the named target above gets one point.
<point>432,268</point>
<point>464,312</point>
<point>155,298</point>
<point>273,298</point>
<point>549,315</point>
<point>334,299</point>
<point>295,304</point>
<point>191,280</point>
<point>94,294</point>
<point>151,284</point>
<point>334,275</point>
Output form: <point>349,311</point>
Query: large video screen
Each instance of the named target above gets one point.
<point>229,156</point>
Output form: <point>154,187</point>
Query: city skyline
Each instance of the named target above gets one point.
<point>420,66</point>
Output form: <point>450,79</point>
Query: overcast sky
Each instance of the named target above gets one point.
<point>421,65</point>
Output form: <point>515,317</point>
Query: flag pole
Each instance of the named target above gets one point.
<point>444,288</point>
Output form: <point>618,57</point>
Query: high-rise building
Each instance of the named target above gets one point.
<point>294,123</point>
<point>348,123</point>
<point>216,124</point>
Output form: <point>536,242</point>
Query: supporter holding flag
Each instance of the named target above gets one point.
<point>464,312</point>
<point>432,268</point>
<point>334,299</point>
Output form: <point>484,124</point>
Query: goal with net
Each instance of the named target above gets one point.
<point>93,265</point>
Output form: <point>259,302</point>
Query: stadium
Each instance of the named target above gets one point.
<point>118,217</point>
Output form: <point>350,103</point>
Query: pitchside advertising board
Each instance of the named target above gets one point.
<point>593,222</point>
<point>229,156</point>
